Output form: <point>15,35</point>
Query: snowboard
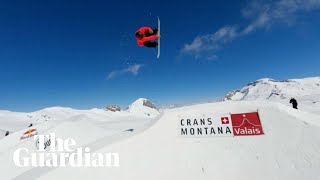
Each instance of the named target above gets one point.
<point>158,55</point>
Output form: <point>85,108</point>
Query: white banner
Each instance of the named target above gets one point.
<point>205,126</point>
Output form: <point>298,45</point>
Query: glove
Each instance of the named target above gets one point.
<point>158,35</point>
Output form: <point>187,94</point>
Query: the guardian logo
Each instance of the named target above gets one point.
<point>56,152</point>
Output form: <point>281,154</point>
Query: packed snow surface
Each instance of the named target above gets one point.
<point>289,148</point>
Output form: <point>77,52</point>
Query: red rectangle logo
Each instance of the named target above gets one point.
<point>246,124</point>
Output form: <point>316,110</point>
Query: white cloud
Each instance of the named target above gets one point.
<point>260,14</point>
<point>211,42</point>
<point>266,13</point>
<point>134,69</point>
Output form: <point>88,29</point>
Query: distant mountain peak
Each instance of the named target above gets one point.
<point>143,106</point>
<point>306,91</point>
<point>142,102</point>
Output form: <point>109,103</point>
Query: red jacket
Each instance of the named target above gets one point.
<point>143,38</point>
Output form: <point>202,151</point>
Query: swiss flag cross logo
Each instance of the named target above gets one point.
<point>225,120</point>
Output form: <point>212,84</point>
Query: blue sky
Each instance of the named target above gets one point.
<point>82,54</point>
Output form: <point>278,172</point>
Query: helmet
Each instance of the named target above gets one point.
<point>139,35</point>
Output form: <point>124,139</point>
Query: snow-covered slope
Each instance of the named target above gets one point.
<point>150,146</point>
<point>305,91</point>
<point>289,148</point>
<point>15,121</point>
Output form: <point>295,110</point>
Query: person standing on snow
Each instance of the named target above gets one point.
<point>145,35</point>
<point>294,103</point>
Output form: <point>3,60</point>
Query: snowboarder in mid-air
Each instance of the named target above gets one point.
<point>145,35</point>
<point>294,103</point>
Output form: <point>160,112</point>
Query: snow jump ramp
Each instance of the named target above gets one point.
<point>289,148</point>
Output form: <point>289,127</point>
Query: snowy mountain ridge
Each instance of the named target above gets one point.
<point>14,121</point>
<point>306,91</point>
